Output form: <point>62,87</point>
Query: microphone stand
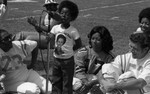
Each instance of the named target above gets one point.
<point>48,55</point>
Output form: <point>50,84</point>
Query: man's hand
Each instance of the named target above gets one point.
<point>32,21</point>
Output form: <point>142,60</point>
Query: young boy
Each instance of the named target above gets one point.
<point>63,67</point>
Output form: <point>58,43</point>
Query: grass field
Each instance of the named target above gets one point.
<point>119,16</point>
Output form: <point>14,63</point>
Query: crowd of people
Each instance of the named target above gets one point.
<point>77,69</point>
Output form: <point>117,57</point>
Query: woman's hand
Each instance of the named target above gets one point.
<point>107,85</point>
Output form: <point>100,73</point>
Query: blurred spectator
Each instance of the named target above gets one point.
<point>48,20</point>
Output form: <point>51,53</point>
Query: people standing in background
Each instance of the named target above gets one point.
<point>42,29</point>
<point>3,9</point>
<point>129,72</point>
<point>63,66</point>
<point>90,59</point>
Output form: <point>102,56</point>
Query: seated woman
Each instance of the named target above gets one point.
<point>144,21</point>
<point>90,59</point>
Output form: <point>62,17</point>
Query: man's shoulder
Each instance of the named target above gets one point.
<point>125,56</point>
<point>128,54</point>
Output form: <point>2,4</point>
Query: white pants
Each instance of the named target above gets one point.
<point>77,83</point>
<point>24,80</point>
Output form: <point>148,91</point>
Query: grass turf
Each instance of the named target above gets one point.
<point>119,16</point>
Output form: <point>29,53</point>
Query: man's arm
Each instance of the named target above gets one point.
<point>41,26</point>
<point>131,84</point>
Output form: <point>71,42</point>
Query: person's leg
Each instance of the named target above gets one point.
<point>57,77</point>
<point>40,81</point>
<point>42,44</point>
<point>68,72</point>
<point>40,39</point>
<point>77,83</point>
<point>33,59</point>
<point>23,87</point>
<point>14,81</point>
<point>28,88</point>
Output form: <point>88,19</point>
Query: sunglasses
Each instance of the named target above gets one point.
<point>6,39</point>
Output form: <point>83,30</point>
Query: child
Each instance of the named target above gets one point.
<point>3,8</point>
<point>63,67</point>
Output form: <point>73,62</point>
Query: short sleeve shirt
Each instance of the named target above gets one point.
<point>68,36</point>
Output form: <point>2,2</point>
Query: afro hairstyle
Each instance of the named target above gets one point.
<point>145,13</point>
<point>74,11</point>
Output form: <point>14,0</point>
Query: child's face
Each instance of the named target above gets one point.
<point>145,25</point>
<point>60,42</point>
<point>65,15</point>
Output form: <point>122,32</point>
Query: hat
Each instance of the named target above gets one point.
<point>49,2</point>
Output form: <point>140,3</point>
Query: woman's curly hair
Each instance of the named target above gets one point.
<point>74,11</point>
<point>145,13</point>
<point>107,40</point>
